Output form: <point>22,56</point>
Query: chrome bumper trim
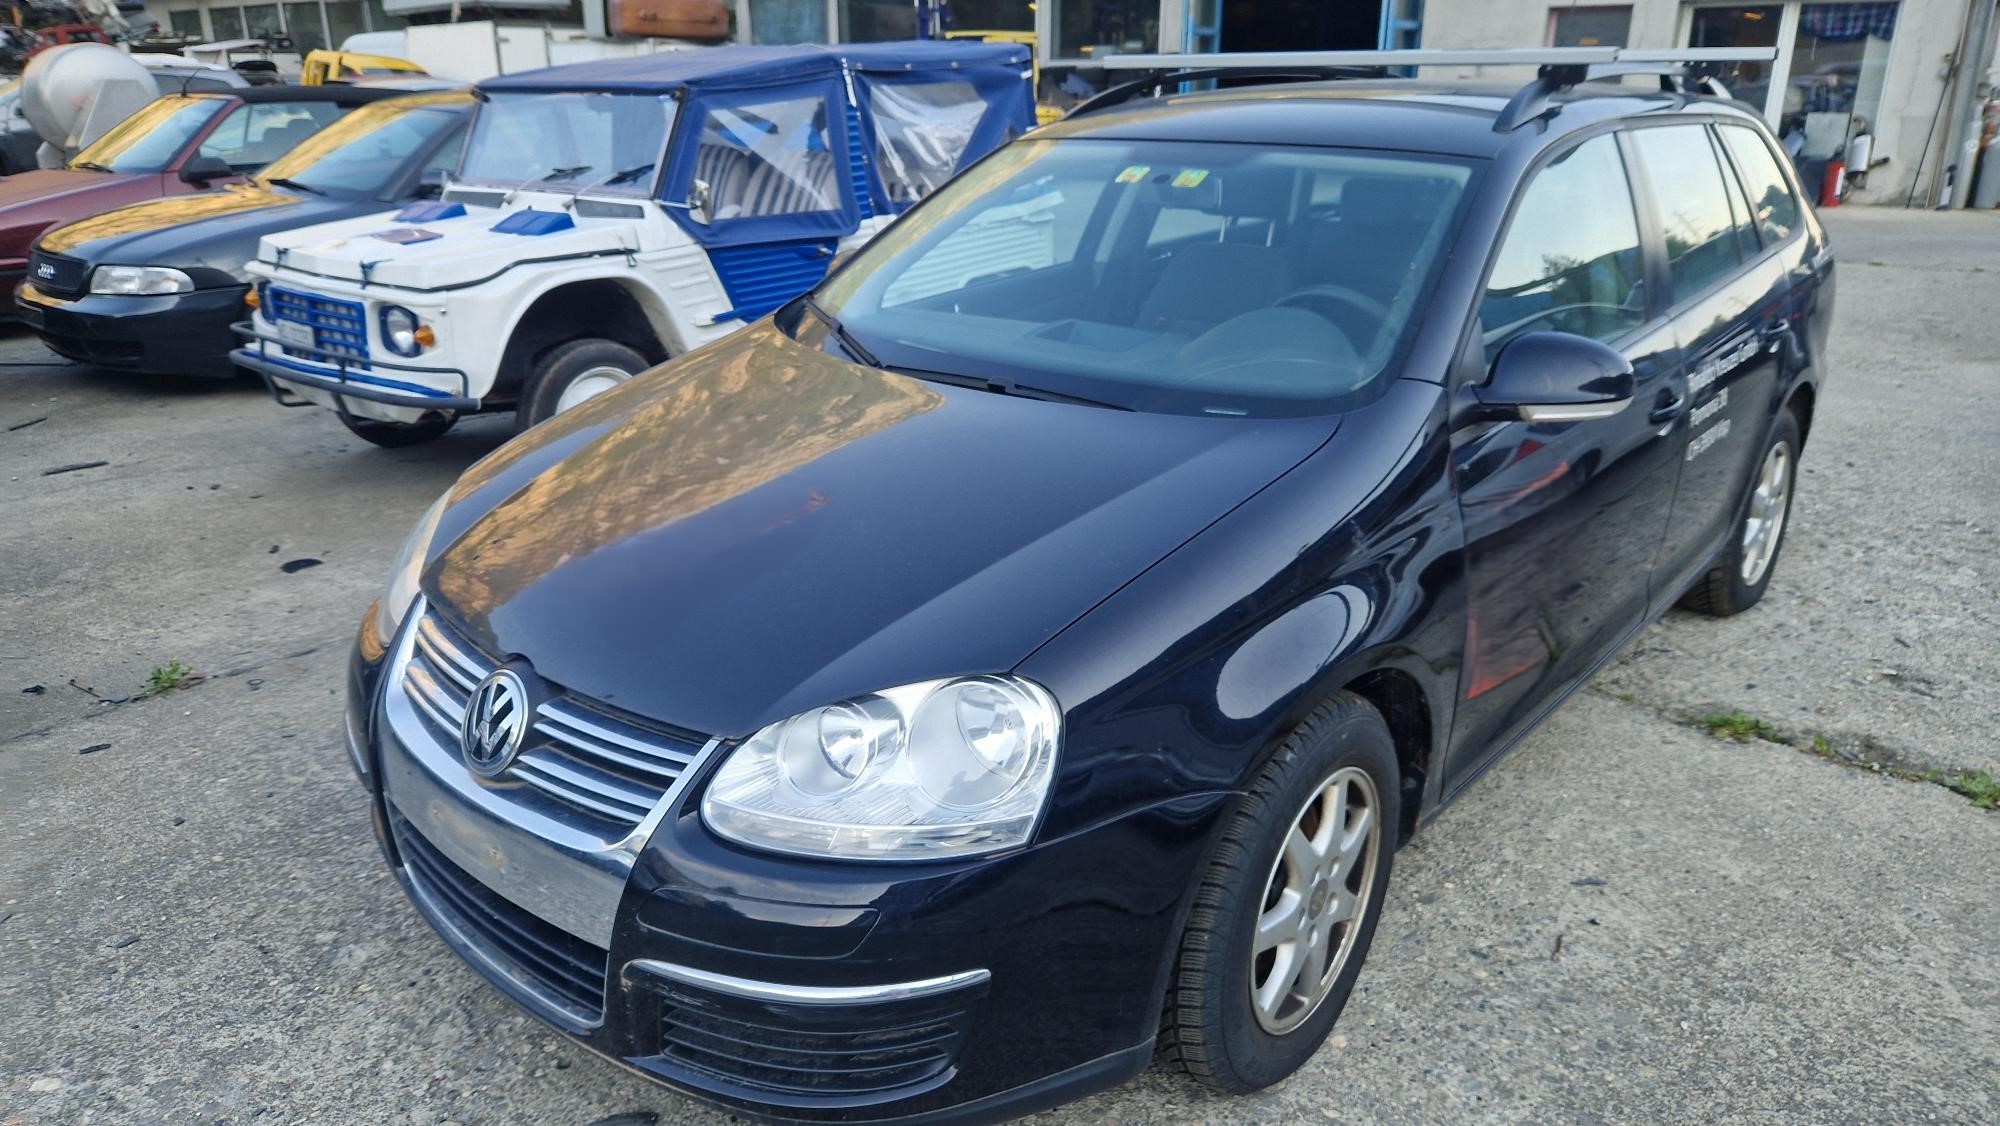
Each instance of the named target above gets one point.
<point>811,994</point>
<point>558,872</point>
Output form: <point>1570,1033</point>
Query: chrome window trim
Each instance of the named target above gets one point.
<point>810,994</point>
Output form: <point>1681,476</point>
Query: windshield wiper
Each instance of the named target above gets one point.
<point>852,346</point>
<point>548,177</point>
<point>89,165</point>
<point>626,176</point>
<point>1005,387</point>
<point>288,182</point>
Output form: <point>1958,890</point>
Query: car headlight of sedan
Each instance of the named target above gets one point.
<point>940,769</point>
<point>409,566</point>
<point>139,281</point>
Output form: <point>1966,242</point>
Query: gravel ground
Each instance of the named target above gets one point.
<point>1626,920</point>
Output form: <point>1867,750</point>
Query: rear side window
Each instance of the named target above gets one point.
<point>1697,218</point>
<point>1772,203</point>
<point>1570,261</point>
<point>256,134</point>
<point>770,158</point>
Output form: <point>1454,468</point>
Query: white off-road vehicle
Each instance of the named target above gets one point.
<point>607,216</point>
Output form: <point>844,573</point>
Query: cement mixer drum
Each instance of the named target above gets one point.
<point>75,93</point>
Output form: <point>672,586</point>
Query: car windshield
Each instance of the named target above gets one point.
<point>1176,277</point>
<point>569,141</point>
<point>360,154</point>
<point>149,140</point>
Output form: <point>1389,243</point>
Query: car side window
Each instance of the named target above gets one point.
<point>1570,260</point>
<point>1772,203</point>
<point>770,158</point>
<point>256,134</point>
<point>1692,197</point>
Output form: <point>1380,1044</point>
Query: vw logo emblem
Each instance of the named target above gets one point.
<point>496,723</point>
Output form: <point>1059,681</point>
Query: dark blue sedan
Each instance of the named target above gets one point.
<point>1028,650</point>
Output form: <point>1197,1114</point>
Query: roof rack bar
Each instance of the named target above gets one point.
<point>1537,99</point>
<point>1155,83</point>
<point>1525,56</point>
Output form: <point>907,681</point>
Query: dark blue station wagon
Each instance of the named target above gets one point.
<point>1029,649</point>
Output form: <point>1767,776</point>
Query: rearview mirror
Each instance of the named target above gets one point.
<point>1555,377</point>
<point>200,170</point>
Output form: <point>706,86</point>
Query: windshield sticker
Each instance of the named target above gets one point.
<point>1190,177</point>
<point>403,236</point>
<point>1133,174</point>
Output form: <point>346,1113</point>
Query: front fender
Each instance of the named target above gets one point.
<point>1348,565</point>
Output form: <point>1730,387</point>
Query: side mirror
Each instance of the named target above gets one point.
<point>1555,377</point>
<point>202,169</point>
<point>430,185</point>
<point>698,200</point>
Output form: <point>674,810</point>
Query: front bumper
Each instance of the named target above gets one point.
<point>284,364</point>
<point>801,990</point>
<point>165,334</point>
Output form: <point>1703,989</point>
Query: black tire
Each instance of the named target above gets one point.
<point>396,435</point>
<point>561,366</point>
<point>1723,590</point>
<point>1210,1027</point>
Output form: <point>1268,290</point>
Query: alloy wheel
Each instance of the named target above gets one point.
<point>1315,900</point>
<point>1769,503</point>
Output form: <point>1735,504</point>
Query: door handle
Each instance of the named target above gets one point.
<point>1668,406</point>
<point>1774,335</point>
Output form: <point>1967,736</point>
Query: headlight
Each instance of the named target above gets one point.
<point>399,330</point>
<point>395,601</point>
<point>946,768</point>
<point>139,280</point>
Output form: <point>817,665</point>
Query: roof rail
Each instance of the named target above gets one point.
<point>1154,83</point>
<point>1560,68</point>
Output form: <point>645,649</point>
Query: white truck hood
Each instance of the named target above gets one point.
<point>379,249</point>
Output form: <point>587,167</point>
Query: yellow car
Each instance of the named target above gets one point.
<point>324,67</point>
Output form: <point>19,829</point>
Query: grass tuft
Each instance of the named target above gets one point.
<point>170,677</point>
<point>1740,726</point>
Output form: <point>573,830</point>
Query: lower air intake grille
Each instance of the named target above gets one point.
<point>802,1052</point>
<point>567,969</point>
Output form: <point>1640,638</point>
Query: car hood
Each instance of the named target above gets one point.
<point>213,229</point>
<point>761,527</point>
<point>42,185</point>
<point>379,249</point>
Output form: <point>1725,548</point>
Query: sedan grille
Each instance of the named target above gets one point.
<point>604,767</point>
<point>56,274</point>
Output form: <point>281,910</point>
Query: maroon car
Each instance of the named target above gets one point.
<point>180,143</point>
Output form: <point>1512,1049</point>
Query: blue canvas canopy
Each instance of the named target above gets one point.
<point>803,142</point>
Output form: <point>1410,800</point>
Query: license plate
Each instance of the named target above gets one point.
<point>294,334</point>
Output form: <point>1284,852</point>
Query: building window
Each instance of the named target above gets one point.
<point>261,21</point>
<point>302,23</point>
<point>873,21</point>
<point>343,18</point>
<point>228,23</point>
<point>1605,25</point>
<point>185,21</point>
<point>788,21</point>
<point>1754,25</point>
<point>1095,28</point>
<point>1834,89</point>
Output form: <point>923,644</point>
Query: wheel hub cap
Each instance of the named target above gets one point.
<point>1315,900</point>
<point>590,384</point>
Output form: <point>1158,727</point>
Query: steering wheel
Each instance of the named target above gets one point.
<point>1355,313</point>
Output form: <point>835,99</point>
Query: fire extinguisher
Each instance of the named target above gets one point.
<point>1830,187</point>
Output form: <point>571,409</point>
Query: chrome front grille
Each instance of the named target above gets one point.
<point>591,762</point>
